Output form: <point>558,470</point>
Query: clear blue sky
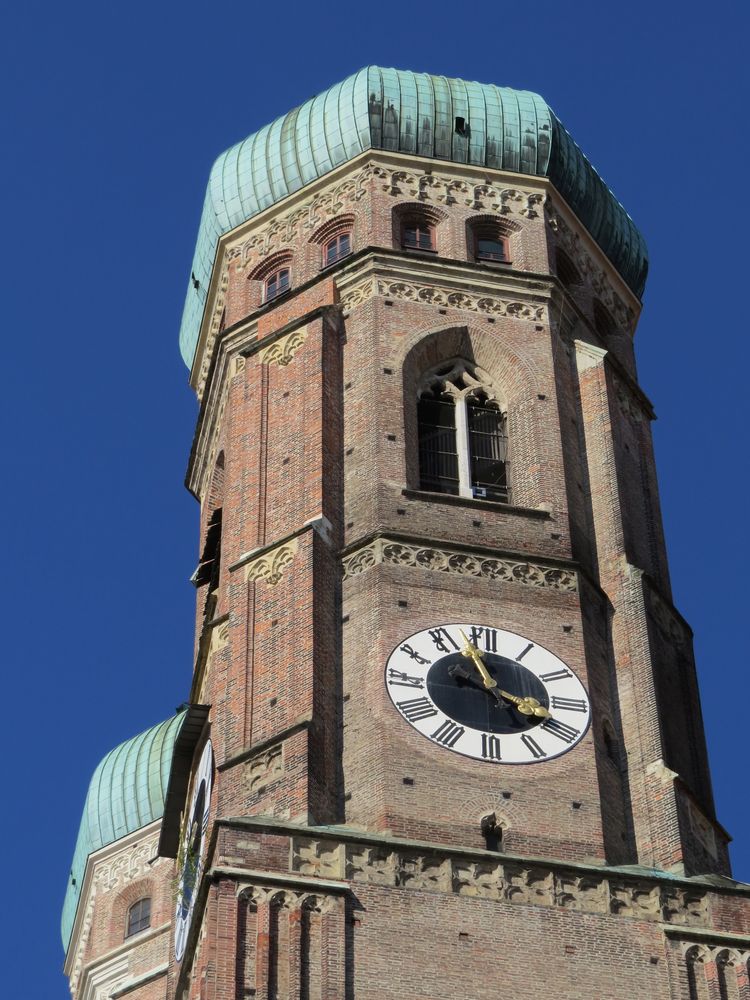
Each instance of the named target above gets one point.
<point>114,114</point>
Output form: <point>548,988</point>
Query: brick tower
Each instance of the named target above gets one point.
<point>444,736</point>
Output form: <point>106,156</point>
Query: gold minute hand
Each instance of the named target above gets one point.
<point>471,652</point>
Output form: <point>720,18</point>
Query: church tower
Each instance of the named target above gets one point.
<point>444,735</point>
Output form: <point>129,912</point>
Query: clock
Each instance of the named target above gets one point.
<point>486,693</point>
<point>190,856</point>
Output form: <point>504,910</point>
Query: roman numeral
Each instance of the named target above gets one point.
<point>524,652</point>
<point>484,637</point>
<point>562,731</point>
<point>569,704</point>
<point>531,744</point>
<point>556,675</point>
<point>439,636</point>
<point>413,654</point>
<point>490,747</point>
<point>448,734</point>
<point>399,677</point>
<point>415,709</point>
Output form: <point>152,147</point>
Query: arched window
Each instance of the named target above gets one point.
<point>490,243</point>
<point>463,443</point>
<point>139,916</point>
<point>277,283</point>
<point>417,233</point>
<point>336,248</point>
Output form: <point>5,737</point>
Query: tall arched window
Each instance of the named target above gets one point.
<point>417,233</point>
<point>463,443</point>
<point>139,916</point>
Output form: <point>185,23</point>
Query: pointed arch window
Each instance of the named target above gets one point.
<point>463,441</point>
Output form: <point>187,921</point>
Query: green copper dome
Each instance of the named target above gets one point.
<point>126,793</point>
<point>412,113</point>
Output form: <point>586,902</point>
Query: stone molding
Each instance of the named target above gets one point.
<point>503,880</point>
<point>412,291</point>
<point>446,560</point>
<point>281,352</point>
<point>270,566</point>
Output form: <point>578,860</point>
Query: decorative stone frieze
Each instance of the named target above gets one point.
<point>126,867</point>
<point>281,352</point>
<point>445,560</point>
<point>515,881</point>
<point>270,566</point>
<point>411,291</point>
<point>284,898</point>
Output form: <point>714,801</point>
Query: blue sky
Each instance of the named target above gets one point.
<point>114,114</point>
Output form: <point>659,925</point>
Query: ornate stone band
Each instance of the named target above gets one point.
<point>444,560</point>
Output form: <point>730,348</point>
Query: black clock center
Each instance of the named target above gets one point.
<point>467,701</point>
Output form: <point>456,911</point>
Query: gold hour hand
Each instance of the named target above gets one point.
<point>527,705</point>
<point>471,652</point>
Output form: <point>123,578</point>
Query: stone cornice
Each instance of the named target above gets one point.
<point>350,857</point>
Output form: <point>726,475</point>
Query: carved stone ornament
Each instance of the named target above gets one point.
<point>110,874</point>
<point>409,291</point>
<point>384,550</point>
<point>282,351</point>
<point>572,243</point>
<point>270,566</point>
<point>260,771</point>
<point>533,884</point>
<point>673,629</point>
<point>286,899</point>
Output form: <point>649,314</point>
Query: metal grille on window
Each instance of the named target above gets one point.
<point>488,444</point>
<point>139,916</point>
<point>463,442</point>
<point>438,455</point>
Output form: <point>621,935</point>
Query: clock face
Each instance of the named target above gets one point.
<point>488,694</point>
<point>191,849</point>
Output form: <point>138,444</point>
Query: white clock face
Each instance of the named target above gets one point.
<point>486,693</point>
<point>191,850</point>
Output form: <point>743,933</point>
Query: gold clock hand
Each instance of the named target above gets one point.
<point>527,705</point>
<point>471,652</point>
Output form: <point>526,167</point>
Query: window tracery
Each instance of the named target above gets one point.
<point>463,442</point>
